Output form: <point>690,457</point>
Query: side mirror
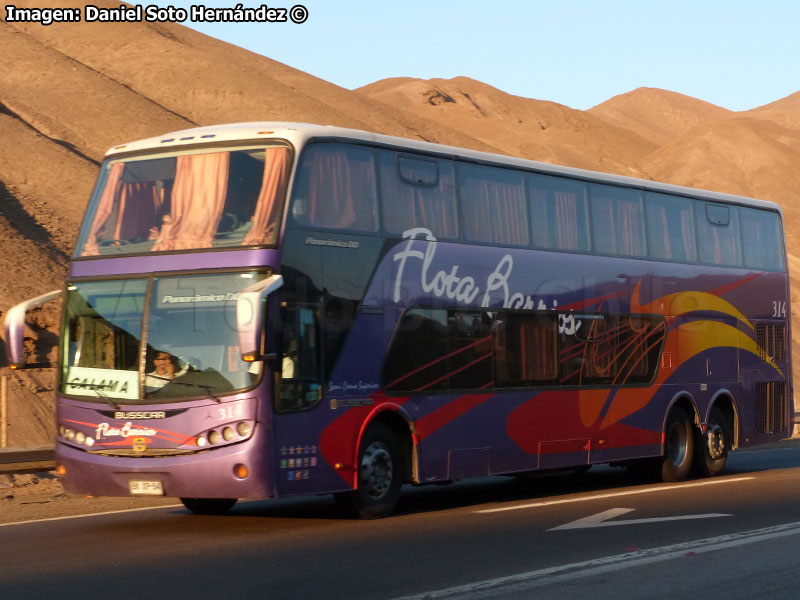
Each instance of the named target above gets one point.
<point>250,316</point>
<point>14,324</point>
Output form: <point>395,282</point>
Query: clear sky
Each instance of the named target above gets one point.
<point>733,53</point>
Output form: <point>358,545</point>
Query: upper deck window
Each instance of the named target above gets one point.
<point>559,213</point>
<point>418,191</point>
<point>670,228</point>
<point>718,234</point>
<point>206,199</point>
<point>493,205</point>
<point>618,220</point>
<point>762,239</point>
<point>336,189</point>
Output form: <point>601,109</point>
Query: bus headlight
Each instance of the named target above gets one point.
<point>213,437</point>
<point>243,429</point>
<point>80,437</point>
<point>201,441</point>
<point>227,433</point>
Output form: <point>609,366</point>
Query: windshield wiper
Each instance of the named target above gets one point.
<point>108,399</point>
<point>206,388</point>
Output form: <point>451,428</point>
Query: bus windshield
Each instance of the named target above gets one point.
<point>186,200</point>
<point>190,348</point>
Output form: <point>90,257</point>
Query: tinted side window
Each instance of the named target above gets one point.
<point>493,205</point>
<point>611,350</point>
<point>463,349</point>
<point>559,213</point>
<point>417,359</point>
<point>718,234</point>
<point>469,356</point>
<point>670,227</point>
<point>418,191</point>
<point>526,349</point>
<point>335,188</point>
<point>617,220</point>
<point>762,239</point>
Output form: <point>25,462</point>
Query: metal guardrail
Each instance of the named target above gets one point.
<point>26,460</point>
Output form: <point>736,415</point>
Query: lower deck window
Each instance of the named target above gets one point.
<point>456,349</point>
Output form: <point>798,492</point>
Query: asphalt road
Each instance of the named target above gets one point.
<point>601,534</point>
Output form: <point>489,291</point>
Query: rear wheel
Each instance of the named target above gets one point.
<point>713,445</point>
<point>678,446</point>
<point>379,475</point>
<point>209,506</point>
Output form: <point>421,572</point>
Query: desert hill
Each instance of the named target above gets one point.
<point>674,113</point>
<point>70,91</point>
<point>534,129</point>
<point>785,111</point>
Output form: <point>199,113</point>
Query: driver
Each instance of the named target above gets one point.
<point>166,369</point>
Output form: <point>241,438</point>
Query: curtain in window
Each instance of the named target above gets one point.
<point>104,208</point>
<point>265,217</point>
<point>629,224</point>
<point>537,351</point>
<point>566,209</point>
<point>723,245</point>
<point>494,211</point>
<point>341,192</point>
<point>430,212</point>
<point>406,206</point>
<point>687,234</point>
<point>138,207</point>
<point>618,226</point>
<point>198,197</point>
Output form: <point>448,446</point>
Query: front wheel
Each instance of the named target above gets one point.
<point>209,506</point>
<point>713,445</point>
<point>379,475</point>
<point>678,446</point>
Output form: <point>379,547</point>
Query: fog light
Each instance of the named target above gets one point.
<point>61,470</point>
<point>227,433</point>
<point>213,437</point>
<point>201,441</point>
<point>243,429</point>
<point>80,437</point>
<point>241,471</point>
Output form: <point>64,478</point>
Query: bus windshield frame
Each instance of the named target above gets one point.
<point>155,340</point>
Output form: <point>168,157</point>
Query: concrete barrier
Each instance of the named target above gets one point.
<point>25,460</point>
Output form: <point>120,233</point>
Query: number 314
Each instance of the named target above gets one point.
<point>778,308</point>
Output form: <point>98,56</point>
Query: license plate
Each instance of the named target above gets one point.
<point>146,488</point>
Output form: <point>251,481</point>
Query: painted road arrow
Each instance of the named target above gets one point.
<point>602,519</point>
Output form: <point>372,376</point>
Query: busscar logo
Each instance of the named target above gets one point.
<point>129,416</point>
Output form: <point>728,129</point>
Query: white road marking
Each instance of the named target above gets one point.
<point>602,519</point>
<point>500,587</point>
<point>661,488</point>
<point>110,512</point>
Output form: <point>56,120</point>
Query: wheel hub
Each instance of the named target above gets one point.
<point>716,441</point>
<point>376,470</point>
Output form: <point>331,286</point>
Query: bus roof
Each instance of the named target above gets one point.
<point>300,133</point>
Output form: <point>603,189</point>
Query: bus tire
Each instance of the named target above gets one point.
<point>209,506</point>
<point>676,464</point>
<point>713,445</point>
<point>380,475</point>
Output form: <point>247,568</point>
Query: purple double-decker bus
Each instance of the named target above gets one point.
<point>265,310</point>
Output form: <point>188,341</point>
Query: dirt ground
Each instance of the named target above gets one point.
<point>36,496</point>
